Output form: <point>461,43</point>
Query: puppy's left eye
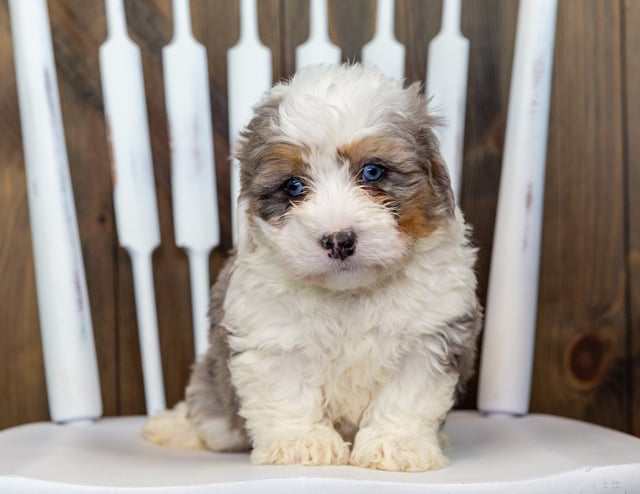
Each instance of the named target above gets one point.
<point>372,172</point>
<point>294,187</point>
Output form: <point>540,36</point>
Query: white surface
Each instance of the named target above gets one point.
<point>249,76</point>
<point>193,180</point>
<point>148,332</point>
<point>447,86</point>
<point>532,454</point>
<point>63,302</point>
<point>318,49</point>
<point>134,195</point>
<point>384,50</point>
<point>512,300</point>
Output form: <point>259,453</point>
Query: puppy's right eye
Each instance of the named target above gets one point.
<point>294,187</point>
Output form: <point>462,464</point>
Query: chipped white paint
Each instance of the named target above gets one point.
<point>65,319</point>
<point>249,76</point>
<point>318,48</point>
<point>447,86</point>
<point>505,375</point>
<point>134,195</point>
<point>193,180</point>
<point>384,50</point>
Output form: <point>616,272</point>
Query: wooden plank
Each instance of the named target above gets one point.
<point>417,22</point>
<point>215,26</point>
<point>76,32</point>
<point>581,356</point>
<point>295,30</point>
<point>150,27</point>
<point>631,18</point>
<point>270,27</point>
<point>491,30</point>
<point>351,25</point>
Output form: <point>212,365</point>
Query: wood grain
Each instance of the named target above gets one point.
<point>77,31</point>
<point>588,348</point>
<point>632,115</point>
<point>490,28</point>
<point>581,355</point>
<point>351,25</point>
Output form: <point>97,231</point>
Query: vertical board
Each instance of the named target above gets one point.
<point>77,31</point>
<point>631,16</point>
<point>295,30</point>
<point>149,26</point>
<point>581,355</point>
<point>347,34</point>
<point>215,26</point>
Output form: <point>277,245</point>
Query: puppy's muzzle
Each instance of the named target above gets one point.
<point>339,245</point>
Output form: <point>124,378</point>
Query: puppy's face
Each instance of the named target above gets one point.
<point>341,176</point>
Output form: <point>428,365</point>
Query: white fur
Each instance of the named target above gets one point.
<point>172,428</point>
<point>335,204</point>
<point>324,351</point>
<point>311,355</point>
<point>325,106</point>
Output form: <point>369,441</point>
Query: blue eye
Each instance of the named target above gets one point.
<point>372,172</point>
<point>294,187</point>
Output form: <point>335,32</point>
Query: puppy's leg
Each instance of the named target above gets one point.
<point>172,428</point>
<point>212,401</point>
<point>284,411</point>
<point>399,431</point>
<point>208,418</point>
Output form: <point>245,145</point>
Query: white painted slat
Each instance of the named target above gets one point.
<point>505,374</point>
<point>249,76</point>
<point>447,86</point>
<point>193,181</point>
<point>134,194</point>
<point>73,385</point>
<point>318,49</point>
<point>384,50</point>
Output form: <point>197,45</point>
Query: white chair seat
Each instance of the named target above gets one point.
<point>535,453</point>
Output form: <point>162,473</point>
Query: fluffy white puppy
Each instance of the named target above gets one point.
<point>347,320</point>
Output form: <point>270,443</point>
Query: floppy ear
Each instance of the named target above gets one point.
<point>436,168</point>
<point>441,183</point>
<point>429,148</point>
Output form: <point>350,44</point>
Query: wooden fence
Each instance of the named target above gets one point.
<point>588,340</point>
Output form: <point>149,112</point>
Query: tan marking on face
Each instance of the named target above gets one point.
<point>385,148</point>
<point>414,223</point>
<point>409,184</point>
<point>285,158</point>
<point>275,164</point>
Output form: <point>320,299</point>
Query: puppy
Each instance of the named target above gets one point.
<point>347,320</point>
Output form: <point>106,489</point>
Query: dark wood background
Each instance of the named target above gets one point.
<point>588,339</point>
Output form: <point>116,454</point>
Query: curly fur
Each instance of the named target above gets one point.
<point>321,359</point>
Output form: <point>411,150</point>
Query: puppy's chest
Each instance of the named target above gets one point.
<point>354,367</point>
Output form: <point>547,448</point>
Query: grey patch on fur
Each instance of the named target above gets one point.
<point>210,393</point>
<point>415,170</point>
<point>421,129</point>
<point>460,340</point>
<point>273,205</point>
<point>262,181</point>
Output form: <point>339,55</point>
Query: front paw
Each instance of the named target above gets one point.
<point>396,452</point>
<point>320,446</point>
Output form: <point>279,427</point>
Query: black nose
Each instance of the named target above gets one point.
<point>339,245</point>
